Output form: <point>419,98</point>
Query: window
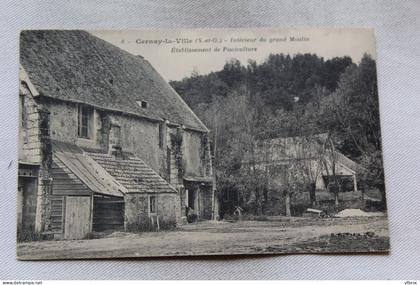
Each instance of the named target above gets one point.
<point>84,121</point>
<point>142,104</point>
<point>152,204</point>
<point>115,136</point>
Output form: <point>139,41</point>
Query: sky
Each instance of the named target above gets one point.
<point>176,53</point>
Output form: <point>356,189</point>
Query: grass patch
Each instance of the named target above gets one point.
<point>146,225</point>
<point>246,217</point>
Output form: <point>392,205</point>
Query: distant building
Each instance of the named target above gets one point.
<point>298,162</point>
<point>314,154</point>
<point>105,142</point>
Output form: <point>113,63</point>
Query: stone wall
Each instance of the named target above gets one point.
<point>166,208</point>
<point>35,148</point>
<point>197,154</point>
<point>149,140</point>
<point>45,180</point>
<point>29,132</point>
<point>138,136</point>
<point>63,122</point>
<point>137,210</point>
<point>193,153</point>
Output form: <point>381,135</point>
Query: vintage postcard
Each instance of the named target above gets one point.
<point>199,142</point>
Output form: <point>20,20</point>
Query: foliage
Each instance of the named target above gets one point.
<point>287,96</point>
<point>29,234</point>
<point>176,144</point>
<point>354,118</point>
<point>192,217</point>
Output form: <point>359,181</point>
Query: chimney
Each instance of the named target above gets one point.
<point>114,144</point>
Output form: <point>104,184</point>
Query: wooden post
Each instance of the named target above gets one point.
<point>354,183</point>
<point>91,213</point>
<point>287,200</point>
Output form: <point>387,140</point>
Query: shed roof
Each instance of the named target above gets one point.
<point>77,66</point>
<point>133,174</point>
<point>87,170</point>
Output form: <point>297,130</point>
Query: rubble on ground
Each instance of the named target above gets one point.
<point>357,213</point>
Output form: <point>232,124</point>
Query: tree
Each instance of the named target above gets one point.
<point>288,96</point>
<point>352,113</point>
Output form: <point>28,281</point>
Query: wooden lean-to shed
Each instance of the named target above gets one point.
<point>93,192</point>
<point>85,197</point>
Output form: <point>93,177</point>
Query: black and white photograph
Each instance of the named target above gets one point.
<point>198,142</point>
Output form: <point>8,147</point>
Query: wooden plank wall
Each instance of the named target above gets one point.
<point>108,212</point>
<point>64,184</point>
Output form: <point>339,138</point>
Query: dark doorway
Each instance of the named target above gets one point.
<point>108,213</point>
<point>191,198</point>
<point>27,193</point>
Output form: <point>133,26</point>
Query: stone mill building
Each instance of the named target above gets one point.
<point>105,142</point>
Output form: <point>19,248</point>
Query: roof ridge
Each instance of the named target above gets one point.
<point>77,66</point>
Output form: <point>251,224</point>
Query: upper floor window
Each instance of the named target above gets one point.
<point>115,135</point>
<point>84,121</point>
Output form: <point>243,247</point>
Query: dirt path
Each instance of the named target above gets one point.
<point>209,238</point>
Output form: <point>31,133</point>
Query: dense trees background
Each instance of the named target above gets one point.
<point>283,96</point>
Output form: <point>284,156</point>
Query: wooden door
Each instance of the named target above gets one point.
<point>77,217</point>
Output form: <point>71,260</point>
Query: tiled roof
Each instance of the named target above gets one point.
<point>79,67</point>
<point>133,174</point>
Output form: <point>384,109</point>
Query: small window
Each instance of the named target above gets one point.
<point>142,104</point>
<point>84,121</point>
<point>152,204</point>
<point>115,135</point>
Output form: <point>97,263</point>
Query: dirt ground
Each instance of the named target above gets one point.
<point>277,235</point>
